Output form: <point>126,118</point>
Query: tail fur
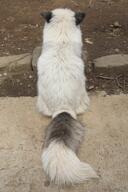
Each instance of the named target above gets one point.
<point>60,162</point>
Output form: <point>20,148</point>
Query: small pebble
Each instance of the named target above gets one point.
<point>102,93</point>
<point>5,39</point>
<point>89,41</point>
<point>116,24</point>
<point>30,76</point>
<point>91,87</point>
<point>18,80</point>
<point>117,50</point>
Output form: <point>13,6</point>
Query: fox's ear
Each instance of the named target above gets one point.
<point>47,16</point>
<point>79,16</point>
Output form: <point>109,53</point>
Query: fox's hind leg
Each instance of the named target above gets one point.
<point>42,107</point>
<point>84,103</point>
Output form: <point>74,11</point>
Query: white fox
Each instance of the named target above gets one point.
<point>62,95</point>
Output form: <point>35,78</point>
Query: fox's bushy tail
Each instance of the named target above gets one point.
<point>60,162</point>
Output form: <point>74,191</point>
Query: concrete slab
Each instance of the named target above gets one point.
<point>116,60</point>
<point>105,146</point>
<point>15,62</point>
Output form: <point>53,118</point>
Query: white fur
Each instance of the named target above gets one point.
<point>61,88</point>
<point>61,79</point>
<point>63,167</point>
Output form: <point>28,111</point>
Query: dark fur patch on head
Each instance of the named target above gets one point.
<point>47,16</point>
<point>79,16</point>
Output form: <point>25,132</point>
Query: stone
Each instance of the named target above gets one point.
<point>102,93</point>
<point>15,63</point>
<point>116,60</point>
<point>116,24</point>
<point>35,55</point>
<point>91,87</point>
<point>117,50</point>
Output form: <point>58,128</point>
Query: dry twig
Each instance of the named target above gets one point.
<point>104,77</point>
<point>118,83</point>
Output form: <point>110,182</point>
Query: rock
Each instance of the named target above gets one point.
<point>35,55</point>
<point>15,62</point>
<point>116,24</point>
<point>5,74</point>
<point>91,87</point>
<point>116,60</point>
<point>30,76</point>
<point>102,93</point>
<point>11,19</point>
<point>117,50</point>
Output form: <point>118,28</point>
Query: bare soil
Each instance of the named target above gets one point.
<point>106,26</point>
<point>21,25</point>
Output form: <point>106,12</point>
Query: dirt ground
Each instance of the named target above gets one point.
<point>105,145</point>
<point>21,25</point>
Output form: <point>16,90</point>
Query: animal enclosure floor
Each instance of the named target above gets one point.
<point>105,146</point>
